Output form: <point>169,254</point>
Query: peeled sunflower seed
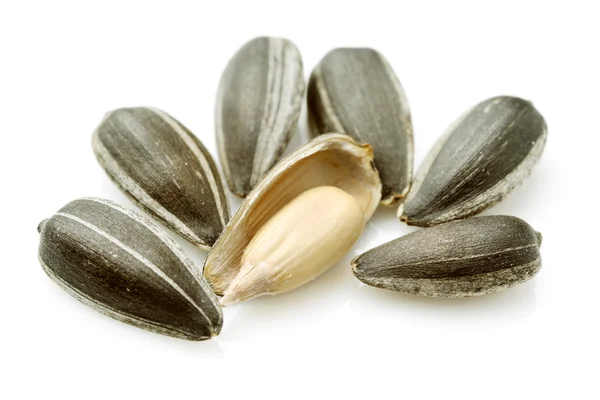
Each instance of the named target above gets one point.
<point>257,109</point>
<point>165,170</point>
<point>470,257</point>
<point>355,91</point>
<point>328,160</point>
<point>301,241</point>
<point>482,157</point>
<point>124,266</point>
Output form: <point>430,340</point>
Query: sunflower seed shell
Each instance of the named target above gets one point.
<point>125,266</point>
<point>483,157</point>
<point>328,160</point>
<point>257,109</point>
<point>355,91</point>
<point>165,170</point>
<point>462,258</point>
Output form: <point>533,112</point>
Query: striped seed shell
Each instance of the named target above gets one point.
<point>165,170</point>
<point>482,157</point>
<point>470,257</point>
<point>355,91</point>
<point>124,266</point>
<point>257,109</point>
<point>328,160</point>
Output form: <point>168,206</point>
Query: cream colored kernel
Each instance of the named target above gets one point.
<point>305,238</point>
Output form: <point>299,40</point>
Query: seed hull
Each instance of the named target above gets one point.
<point>462,258</point>
<point>124,266</point>
<point>164,169</point>
<point>257,109</point>
<point>355,91</point>
<point>328,160</point>
<point>482,158</point>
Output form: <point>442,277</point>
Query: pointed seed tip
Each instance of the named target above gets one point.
<point>240,194</point>
<point>392,199</point>
<point>216,330</point>
<point>41,225</point>
<point>228,299</point>
<point>205,244</point>
<point>402,215</point>
<point>400,211</point>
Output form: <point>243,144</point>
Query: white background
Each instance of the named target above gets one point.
<point>62,65</point>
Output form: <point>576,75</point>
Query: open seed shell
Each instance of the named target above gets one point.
<point>165,170</point>
<point>355,91</point>
<point>257,109</point>
<point>328,160</point>
<point>456,259</point>
<point>482,157</point>
<point>124,266</point>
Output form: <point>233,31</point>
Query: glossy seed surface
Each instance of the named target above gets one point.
<point>257,109</point>
<point>355,91</point>
<point>482,157</point>
<point>125,266</point>
<point>165,170</point>
<point>461,258</point>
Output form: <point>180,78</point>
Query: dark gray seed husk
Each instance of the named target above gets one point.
<point>484,156</point>
<point>257,109</point>
<point>355,91</point>
<point>165,170</point>
<point>461,258</point>
<point>125,266</point>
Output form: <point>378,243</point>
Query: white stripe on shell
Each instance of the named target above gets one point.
<point>469,257</point>
<point>266,135</point>
<point>329,111</point>
<point>284,75</point>
<point>219,131</point>
<point>138,257</point>
<point>199,155</point>
<point>404,117</point>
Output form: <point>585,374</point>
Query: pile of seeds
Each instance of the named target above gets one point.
<point>301,213</point>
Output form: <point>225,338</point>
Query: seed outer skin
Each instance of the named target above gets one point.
<point>257,109</point>
<point>482,157</point>
<point>165,170</point>
<point>457,259</point>
<point>355,91</point>
<point>126,267</point>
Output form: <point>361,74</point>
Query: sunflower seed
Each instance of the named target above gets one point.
<point>297,244</point>
<point>484,156</point>
<point>355,91</point>
<point>257,109</point>
<point>334,159</point>
<point>126,267</point>
<point>165,170</point>
<point>461,258</point>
